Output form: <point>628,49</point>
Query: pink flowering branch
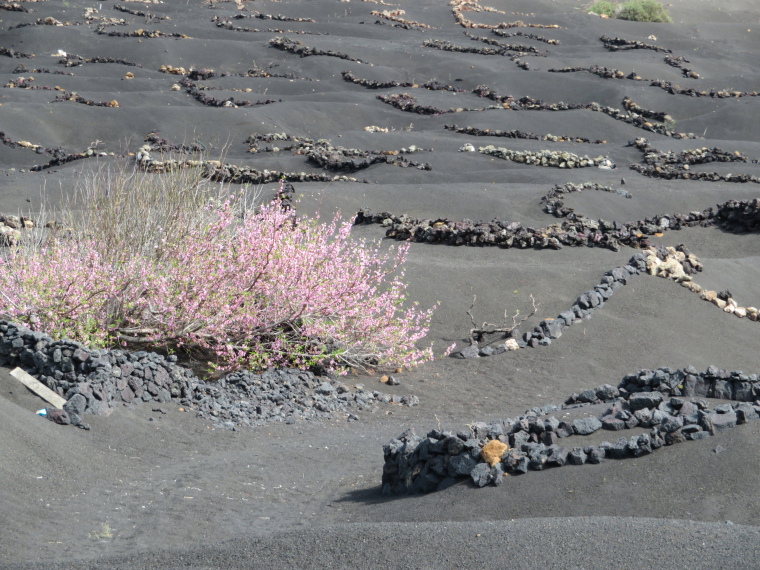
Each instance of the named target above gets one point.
<point>270,290</point>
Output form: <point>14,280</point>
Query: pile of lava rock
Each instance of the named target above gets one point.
<point>95,381</point>
<point>198,94</point>
<point>375,84</point>
<point>677,165</point>
<point>668,403</point>
<point>739,215</point>
<point>575,230</point>
<point>637,117</point>
<point>408,104</point>
<point>218,172</point>
<point>548,158</point>
<point>328,157</point>
<point>515,134</point>
<point>323,154</point>
<point>620,44</point>
<point>301,50</point>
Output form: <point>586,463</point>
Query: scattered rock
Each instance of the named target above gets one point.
<point>471,351</point>
<point>586,426</point>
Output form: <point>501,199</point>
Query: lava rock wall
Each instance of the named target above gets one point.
<point>95,381</point>
<point>667,402</point>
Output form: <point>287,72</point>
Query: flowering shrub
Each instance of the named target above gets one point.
<point>270,289</point>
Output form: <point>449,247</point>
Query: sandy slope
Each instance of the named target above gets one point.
<point>308,495</point>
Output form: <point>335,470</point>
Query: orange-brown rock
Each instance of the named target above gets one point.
<point>493,451</point>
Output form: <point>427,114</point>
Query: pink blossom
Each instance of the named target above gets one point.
<point>272,289</point>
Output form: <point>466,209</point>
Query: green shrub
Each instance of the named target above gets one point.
<point>644,11</point>
<point>603,7</point>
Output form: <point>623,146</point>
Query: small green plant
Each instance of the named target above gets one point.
<point>644,11</point>
<point>670,124</point>
<point>603,8</point>
<point>105,532</point>
<point>634,10</point>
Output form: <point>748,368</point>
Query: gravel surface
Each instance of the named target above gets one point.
<point>153,486</point>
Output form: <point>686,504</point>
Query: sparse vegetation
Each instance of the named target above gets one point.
<point>604,8</point>
<point>644,11</point>
<point>105,532</point>
<point>634,10</point>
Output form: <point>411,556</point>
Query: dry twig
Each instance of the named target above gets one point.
<point>478,332</point>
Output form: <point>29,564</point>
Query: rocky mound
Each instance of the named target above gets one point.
<point>95,381</point>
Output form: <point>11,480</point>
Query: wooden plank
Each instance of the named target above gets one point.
<point>38,387</point>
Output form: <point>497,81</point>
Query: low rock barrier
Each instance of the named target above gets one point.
<point>550,158</point>
<point>301,50</point>
<point>575,230</point>
<point>667,402</point>
<point>95,381</point>
<point>677,165</point>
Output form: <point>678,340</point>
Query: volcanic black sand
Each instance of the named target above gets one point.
<point>148,489</point>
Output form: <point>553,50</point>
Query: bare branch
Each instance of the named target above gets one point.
<point>135,339</point>
<point>472,319</point>
<point>136,331</point>
<point>515,322</point>
<point>477,333</point>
